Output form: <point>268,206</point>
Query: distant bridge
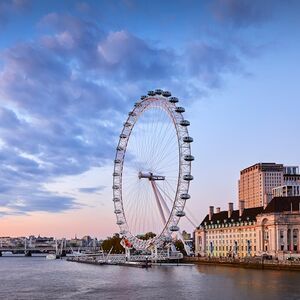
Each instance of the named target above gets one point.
<point>41,250</point>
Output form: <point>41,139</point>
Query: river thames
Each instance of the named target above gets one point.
<point>38,278</point>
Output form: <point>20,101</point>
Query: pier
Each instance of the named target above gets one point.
<point>95,261</point>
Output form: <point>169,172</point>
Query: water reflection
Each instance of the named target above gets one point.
<point>236,283</point>
<point>36,278</point>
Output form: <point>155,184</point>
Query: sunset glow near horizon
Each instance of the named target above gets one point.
<point>71,70</point>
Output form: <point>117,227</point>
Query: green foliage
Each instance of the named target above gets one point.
<point>147,236</point>
<point>179,246</point>
<point>114,242</point>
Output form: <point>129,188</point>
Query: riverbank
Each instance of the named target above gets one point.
<point>245,263</point>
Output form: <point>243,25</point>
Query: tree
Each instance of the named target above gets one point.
<point>147,236</point>
<point>114,243</point>
<point>179,246</point>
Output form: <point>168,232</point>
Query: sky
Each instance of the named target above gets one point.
<point>71,70</point>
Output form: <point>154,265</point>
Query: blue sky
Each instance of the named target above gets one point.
<point>71,70</point>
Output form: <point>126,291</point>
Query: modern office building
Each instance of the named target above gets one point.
<point>291,175</point>
<point>286,191</point>
<point>257,182</point>
<point>273,230</point>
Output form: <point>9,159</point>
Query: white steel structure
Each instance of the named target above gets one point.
<point>152,171</point>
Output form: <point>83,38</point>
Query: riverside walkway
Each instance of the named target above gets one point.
<point>251,263</point>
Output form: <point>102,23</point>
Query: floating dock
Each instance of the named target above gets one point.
<point>86,260</point>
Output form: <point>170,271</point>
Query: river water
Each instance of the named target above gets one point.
<point>38,278</point>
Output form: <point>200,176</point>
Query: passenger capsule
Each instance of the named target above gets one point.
<point>143,97</point>
<point>132,114</point>
<point>188,139</point>
<point>115,174</point>
<point>173,99</point>
<point>117,161</point>
<point>188,177</point>
<point>180,109</point>
<point>174,228</point>
<point>158,91</point>
<point>185,196</point>
<point>117,211</point>
<point>136,104</point>
<point>151,93</point>
<point>116,199</point>
<point>120,222</point>
<point>189,158</point>
<point>127,124</point>
<point>166,94</point>
<point>180,213</point>
<point>184,123</point>
<point>115,187</point>
<point>123,136</point>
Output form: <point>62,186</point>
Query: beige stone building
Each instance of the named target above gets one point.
<point>273,230</point>
<point>257,182</point>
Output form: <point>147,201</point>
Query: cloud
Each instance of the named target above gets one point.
<point>244,13</point>
<point>83,7</point>
<point>21,186</point>
<point>91,190</point>
<point>3,214</point>
<point>10,8</point>
<point>8,119</point>
<point>64,94</point>
<point>43,201</point>
<point>133,58</point>
<point>209,62</point>
<point>117,54</point>
<point>40,200</point>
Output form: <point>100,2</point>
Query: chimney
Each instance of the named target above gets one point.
<point>218,209</point>
<point>210,212</point>
<point>230,209</point>
<point>241,207</point>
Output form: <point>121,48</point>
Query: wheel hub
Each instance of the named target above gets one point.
<point>150,176</point>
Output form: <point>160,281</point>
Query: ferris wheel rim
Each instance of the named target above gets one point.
<point>168,105</point>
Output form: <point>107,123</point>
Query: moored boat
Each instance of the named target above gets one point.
<point>52,256</point>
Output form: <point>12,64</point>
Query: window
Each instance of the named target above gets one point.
<point>281,234</point>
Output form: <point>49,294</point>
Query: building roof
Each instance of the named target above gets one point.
<point>281,204</point>
<point>249,214</point>
<point>274,167</point>
<point>277,205</point>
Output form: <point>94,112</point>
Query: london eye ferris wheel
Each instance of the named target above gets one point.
<point>152,170</point>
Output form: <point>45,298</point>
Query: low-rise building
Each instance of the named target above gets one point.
<point>272,230</point>
<point>75,242</point>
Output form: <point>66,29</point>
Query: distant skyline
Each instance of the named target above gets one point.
<point>71,70</point>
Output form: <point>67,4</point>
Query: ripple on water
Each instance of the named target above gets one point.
<point>38,278</point>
